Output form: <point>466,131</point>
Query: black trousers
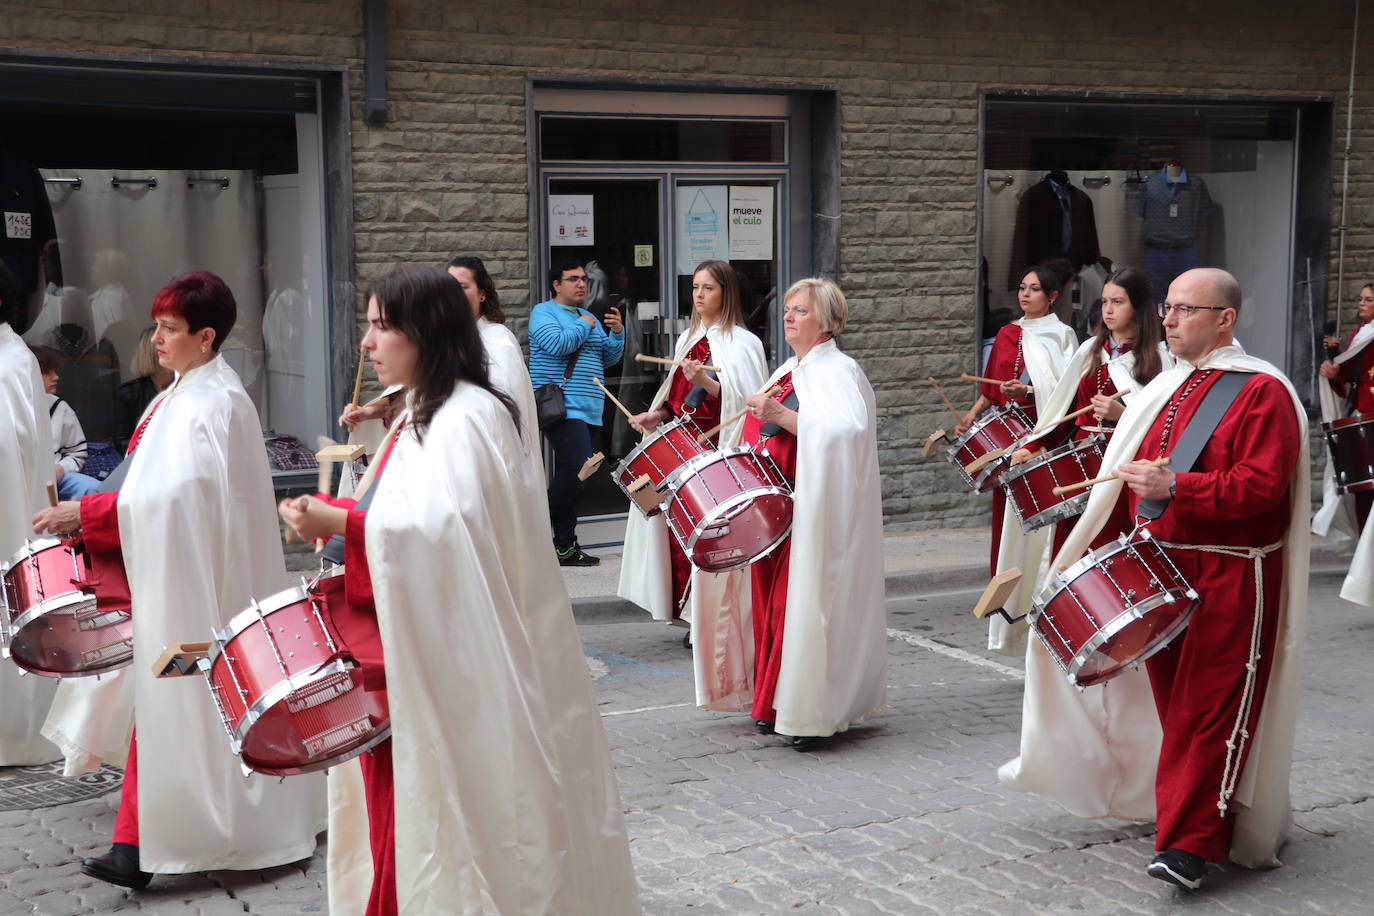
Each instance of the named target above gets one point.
<point>571,441</point>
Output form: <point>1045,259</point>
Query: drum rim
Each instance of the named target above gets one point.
<point>984,419</point>
<point>279,691</point>
<point>1068,448</point>
<point>31,547</point>
<point>734,500</point>
<point>673,482</point>
<point>1350,422</point>
<point>317,766</point>
<point>1134,612</point>
<point>1048,516</point>
<point>658,432</point>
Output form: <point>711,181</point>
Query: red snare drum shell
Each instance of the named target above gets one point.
<point>53,626</point>
<point>658,457</point>
<point>290,703</point>
<point>1112,609</point>
<point>1029,486</point>
<point>729,508</point>
<point>1351,441</point>
<point>997,429</point>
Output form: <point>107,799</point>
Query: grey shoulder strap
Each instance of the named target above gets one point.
<point>1197,433</point>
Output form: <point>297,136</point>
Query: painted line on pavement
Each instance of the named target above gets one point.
<point>626,712</point>
<point>912,639</point>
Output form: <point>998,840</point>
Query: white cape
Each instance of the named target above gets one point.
<point>1335,520</point>
<point>1047,344</point>
<point>505,797</point>
<point>645,573</point>
<point>506,363</point>
<point>1096,751</point>
<point>200,541</point>
<point>26,463</point>
<point>834,649</point>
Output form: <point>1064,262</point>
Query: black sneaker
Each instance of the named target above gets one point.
<point>1179,868</point>
<point>572,555</point>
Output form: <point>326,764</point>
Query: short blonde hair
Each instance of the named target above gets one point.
<point>145,356</point>
<point>832,310</point>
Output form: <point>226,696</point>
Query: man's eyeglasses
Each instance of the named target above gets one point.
<point>575,279</point>
<point>1183,311</point>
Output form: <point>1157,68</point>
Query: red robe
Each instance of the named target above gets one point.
<point>1005,362</point>
<point>768,576</point>
<point>356,619</point>
<point>1236,494</point>
<point>707,415</point>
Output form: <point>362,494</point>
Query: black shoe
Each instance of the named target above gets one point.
<point>807,742</point>
<point>687,640</point>
<point>118,866</point>
<point>1179,868</point>
<point>763,726</point>
<point>572,555</point>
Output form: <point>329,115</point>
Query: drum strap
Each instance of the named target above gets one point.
<point>768,430</point>
<point>1196,434</point>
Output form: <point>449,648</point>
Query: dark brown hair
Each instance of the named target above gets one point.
<point>1148,328</point>
<point>491,302</point>
<point>428,306</point>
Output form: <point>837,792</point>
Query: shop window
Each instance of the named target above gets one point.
<point>1164,186</point>
<point>141,193</point>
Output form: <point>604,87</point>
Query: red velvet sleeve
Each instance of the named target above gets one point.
<point>357,577</point>
<point>1261,424</point>
<point>100,521</point>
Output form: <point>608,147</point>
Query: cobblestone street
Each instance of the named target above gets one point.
<point>902,816</point>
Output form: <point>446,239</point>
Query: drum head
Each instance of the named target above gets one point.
<point>327,721</point>
<point>1131,638</point>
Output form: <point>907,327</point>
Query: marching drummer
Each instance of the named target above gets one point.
<point>654,572</point>
<point>1028,356</point>
<point>198,546</point>
<point>449,564</point>
<point>1219,702</point>
<point>1351,378</point>
<point>824,585</point>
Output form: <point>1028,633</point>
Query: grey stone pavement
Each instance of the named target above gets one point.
<point>902,816</point>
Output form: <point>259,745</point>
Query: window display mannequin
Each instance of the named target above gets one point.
<point>1054,220</point>
<point>1175,206</point>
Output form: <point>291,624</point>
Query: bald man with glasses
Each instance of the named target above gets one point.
<point>570,348</point>
<point>1234,519</point>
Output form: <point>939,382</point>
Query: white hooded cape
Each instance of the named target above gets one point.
<point>1335,520</point>
<point>834,651</point>
<point>26,463</point>
<point>1047,344</point>
<point>645,573</point>
<point>1095,751</point>
<point>200,541</point>
<point>505,797</point>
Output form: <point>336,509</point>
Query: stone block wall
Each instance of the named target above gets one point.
<point>448,171</point>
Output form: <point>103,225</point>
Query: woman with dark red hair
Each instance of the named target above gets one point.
<point>194,528</point>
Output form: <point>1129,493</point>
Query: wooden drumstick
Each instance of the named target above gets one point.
<point>944,397</point>
<point>1082,410</point>
<point>628,415</point>
<point>701,440</point>
<point>52,494</point>
<point>1154,463</point>
<point>670,362</point>
<point>358,379</point>
<point>992,381</point>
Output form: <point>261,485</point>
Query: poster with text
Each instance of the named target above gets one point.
<point>751,223</point>
<point>571,219</point>
<point>702,233</point>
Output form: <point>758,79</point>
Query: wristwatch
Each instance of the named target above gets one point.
<point>1173,487</point>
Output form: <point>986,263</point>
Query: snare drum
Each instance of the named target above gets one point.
<point>667,448</point>
<point>1029,486</point>
<point>1351,441</point>
<point>996,430</point>
<point>728,508</point>
<point>289,693</point>
<point>51,622</point>
<point>1115,607</point>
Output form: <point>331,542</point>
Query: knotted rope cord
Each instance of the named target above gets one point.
<point>1235,745</point>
